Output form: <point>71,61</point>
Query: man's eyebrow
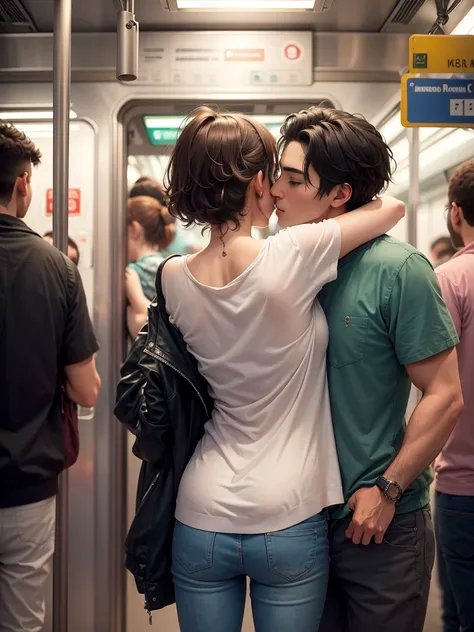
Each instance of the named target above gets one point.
<point>293,170</point>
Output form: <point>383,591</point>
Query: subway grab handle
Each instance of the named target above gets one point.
<point>127,44</point>
<point>85,414</point>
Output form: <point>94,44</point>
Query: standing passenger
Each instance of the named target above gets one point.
<point>252,499</point>
<point>150,231</point>
<point>180,243</point>
<point>388,328</point>
<point>46,342</point>
<point>454,508</point>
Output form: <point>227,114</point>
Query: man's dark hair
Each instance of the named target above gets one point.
<point>17,152</point>
<point>70,242</point>
<point>342,148</point>
<point>461,190</point>
<point>444,241</point>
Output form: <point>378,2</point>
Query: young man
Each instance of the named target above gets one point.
<point>388,328</point>
<point>46,339</point>
<point>454,508</point>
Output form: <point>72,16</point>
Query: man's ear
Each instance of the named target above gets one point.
<point>456,214</point>
<point>343,193</point>
<point>21,184</point>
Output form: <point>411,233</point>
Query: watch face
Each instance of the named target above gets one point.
<point>392,491</point>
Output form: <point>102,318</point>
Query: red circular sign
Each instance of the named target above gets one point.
<point>292,52</point>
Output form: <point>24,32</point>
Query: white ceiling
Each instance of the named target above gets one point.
<point>344,15</point>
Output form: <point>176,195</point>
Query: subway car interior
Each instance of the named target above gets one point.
<point>267,58</point>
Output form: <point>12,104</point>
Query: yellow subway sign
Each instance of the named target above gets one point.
<point>442,53</point>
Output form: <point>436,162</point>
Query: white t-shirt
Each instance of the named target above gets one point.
<point>268,458</point>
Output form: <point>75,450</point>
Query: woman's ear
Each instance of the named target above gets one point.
<point>135,229</point>
<point>258,184</point>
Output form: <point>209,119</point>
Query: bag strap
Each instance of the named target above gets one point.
<point>158,287</point>
<point>71,279</point>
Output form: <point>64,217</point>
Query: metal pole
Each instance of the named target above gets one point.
<point>61,109</point>
<point>414,190</point>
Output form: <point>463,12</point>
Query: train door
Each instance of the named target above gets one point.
<point>151,131</point>
<point>82,212</point>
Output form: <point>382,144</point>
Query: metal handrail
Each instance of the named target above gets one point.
<point>61,108</point>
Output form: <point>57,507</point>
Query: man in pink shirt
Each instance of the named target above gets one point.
<point>454,516</point>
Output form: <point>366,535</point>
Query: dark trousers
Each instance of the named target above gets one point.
<point>380,587</point>
<point>454,526</point>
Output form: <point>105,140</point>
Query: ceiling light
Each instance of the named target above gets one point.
<point>466,25</point>
<point>401,150</point>
<point>453,148</point>
<point>175,122</point>
<point>317,6</point>
<point>31,115</point>
<point>37,130</point>
<point>239,5</point>
<point>439,150</point>
<point>392,128</point>
<point>169,122</point>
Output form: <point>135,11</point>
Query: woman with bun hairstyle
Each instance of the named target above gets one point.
<point>150,230</point>
<point>181,244</point>
<point>252,500</point>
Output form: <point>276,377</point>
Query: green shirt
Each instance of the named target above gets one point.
<point>384,311</point>
<point>146,268</point>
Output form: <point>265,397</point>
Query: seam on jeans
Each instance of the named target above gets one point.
<point>420,566</point>
<point>241,552</point>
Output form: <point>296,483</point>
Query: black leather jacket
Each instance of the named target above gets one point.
<point>163,400</point>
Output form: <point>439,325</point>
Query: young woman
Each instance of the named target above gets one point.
<point>252,499</point>
<point>150,230</point>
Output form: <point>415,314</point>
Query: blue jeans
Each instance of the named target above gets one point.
<point>288,573</point>
<point>454,527</point>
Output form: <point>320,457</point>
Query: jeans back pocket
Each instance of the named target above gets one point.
<point>293,552</point>
<point>193,549</point>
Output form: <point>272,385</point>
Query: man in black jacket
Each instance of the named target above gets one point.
<point>46,339</point>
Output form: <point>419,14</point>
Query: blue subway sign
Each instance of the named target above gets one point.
<point>437,102</point>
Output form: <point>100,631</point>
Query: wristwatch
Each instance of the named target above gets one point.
<point>390,489</point>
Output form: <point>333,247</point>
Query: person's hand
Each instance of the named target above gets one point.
<point>373,513</point>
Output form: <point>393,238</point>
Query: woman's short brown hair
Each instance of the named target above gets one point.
<point>157,223</point>
<point>215,158</point>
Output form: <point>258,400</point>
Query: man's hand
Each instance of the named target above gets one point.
<point>373,514</point>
